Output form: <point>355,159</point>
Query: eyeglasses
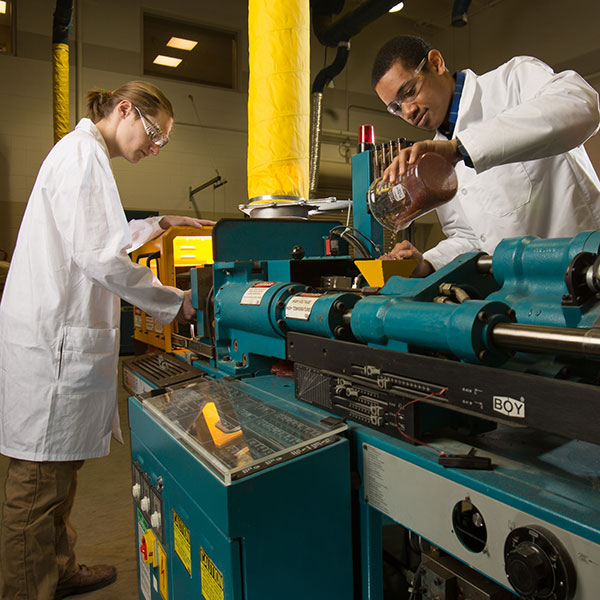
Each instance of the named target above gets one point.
<point>154,132</point>
<point>409,90</point>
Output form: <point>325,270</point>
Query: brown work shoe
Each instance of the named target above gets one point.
<point>85,580</point>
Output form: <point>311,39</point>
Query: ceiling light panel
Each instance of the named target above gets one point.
<point>166,61</point>
<point>181,43</point>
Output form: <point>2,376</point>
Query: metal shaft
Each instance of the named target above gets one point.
<point>484,264</point>
<point>537,338</point>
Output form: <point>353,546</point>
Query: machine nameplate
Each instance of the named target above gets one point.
<point>212,578</point>
<point>181,542</point>
<point>510,407</point>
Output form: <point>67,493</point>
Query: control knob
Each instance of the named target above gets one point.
<point>155,519</point>
<point>537,565</point>
<point>145,504</point>
<point>136,490</point>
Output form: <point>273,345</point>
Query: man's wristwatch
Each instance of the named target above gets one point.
<point>463,152</point>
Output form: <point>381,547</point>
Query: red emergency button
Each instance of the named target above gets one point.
<point>148,548</point>
<point>144,549</point>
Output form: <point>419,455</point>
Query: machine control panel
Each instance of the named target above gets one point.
<point>474,393</point>
<point>149,498</point>
<point>234,433</point>
<point>550,558</point>
<point>380,401</point>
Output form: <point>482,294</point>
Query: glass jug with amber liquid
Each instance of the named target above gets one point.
<point>426,184</point>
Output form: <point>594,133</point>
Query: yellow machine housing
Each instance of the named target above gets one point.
<point>170,257</point>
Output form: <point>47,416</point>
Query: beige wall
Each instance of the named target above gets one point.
<point>210,130</point>
<point>211,126</point>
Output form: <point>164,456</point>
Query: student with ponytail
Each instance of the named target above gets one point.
<point>59,326</point>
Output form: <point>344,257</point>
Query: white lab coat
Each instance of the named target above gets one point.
<point>523,126</point>
<point>59,317</point>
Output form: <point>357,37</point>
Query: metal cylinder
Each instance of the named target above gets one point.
<point>555,340</point>
<point>484,264</point>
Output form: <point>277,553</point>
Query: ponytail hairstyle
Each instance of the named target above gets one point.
<point>146,96</point>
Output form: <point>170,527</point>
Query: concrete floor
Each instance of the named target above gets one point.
<point>103,514</point>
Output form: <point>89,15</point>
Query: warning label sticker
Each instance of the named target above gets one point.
<point>300,306</point>
<point>211,578</point>
<point>254,295</point>
<point>181,542</point>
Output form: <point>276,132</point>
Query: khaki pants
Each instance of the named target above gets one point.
<point>36,538</point>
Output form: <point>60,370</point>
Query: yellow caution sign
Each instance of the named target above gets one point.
<point>181,542</point>
<point>162,572</point>
<point>211,578</point>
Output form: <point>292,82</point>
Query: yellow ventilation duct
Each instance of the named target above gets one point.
<point>60,67</point>
<point>278,99</point>
<point>60,88</point>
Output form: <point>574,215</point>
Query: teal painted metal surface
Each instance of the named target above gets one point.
<point>270,239</point>
<point>553,480</point>
<point>541,481</point>
<point>403,317</point>
<point>362,176</point>
<point>463,329</point>
<point>267,534</point>
<point>531,273</point>
<point>253,317</point>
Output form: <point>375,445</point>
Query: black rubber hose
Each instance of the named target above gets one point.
<point>62,21</point>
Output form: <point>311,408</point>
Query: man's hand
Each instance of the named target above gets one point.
<point>187,312</point>
<point>447,148</point>
<point>401,250</point>
<point>181,221</point>
<point>405,249</point>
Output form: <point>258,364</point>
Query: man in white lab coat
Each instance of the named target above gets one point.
<point>515,135</point>
<point>59,322</point>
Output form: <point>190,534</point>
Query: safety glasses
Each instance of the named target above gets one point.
<point>154,132</point>
<point>408,91</point>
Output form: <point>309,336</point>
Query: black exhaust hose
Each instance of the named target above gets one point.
<point>62,21</point>
<point>331,34</point>
<point>325,75</point>
<point>459,12</point>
